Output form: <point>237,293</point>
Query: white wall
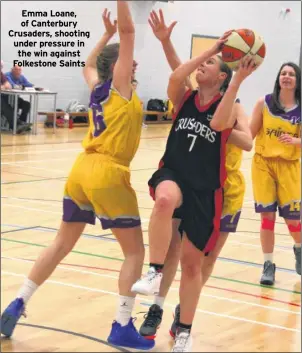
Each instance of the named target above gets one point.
<point>282,37</point>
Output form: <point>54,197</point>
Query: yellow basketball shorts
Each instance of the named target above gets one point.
<point>233,195</point>
<point>277,183</point>
<point>99,187</point>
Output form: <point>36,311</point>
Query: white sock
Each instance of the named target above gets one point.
<point>124,311</point>
<point>159,301</point>
<point>27,290</point>
<point>268,257</point>
<point>297,245</point>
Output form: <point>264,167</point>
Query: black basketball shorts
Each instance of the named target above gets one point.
<point>199,213</point>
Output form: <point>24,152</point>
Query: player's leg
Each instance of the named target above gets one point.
<point>234,190</point>
<point>289,196</point>
<point>190,287</point>
<point>123,332</point>
<point>117,208</point>
<point>74,221</point>
<point>154,316</point>
<point>265,196</point>
<point>200,227</point>
<point>168,197</point>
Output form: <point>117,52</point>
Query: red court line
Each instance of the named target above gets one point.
<point>176,280</point>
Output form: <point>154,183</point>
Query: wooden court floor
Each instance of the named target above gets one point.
<point>73,311</point>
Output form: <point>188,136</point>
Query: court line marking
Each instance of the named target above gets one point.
<point>107,235</point>
<point>172,288</point>
<point>72,141</point>
<point>19,230</point>
<point>31,167</point>
<point>35,161</point>
<point>30,181</point>
<point>231,235</point>
<point>143,220</point>
<point>81,335</point>
<point>64,150</point>
<point>231,317</point>
<point>121,260</point>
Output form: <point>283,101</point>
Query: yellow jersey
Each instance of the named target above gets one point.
<point>267,143</point>
<point>115,124</point>
<point>233,158</point>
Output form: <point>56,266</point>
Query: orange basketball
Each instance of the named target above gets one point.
<point>240,43</point>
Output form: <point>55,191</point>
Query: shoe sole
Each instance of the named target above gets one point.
<point>151,337</point>
<point>145,293</point>
<point>8,324</point>
<point>129,346</point>
<point>267,283</point>
<point>172,334</point>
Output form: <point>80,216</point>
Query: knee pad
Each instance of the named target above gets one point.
<point>294,229</point>
<point>268,224</point>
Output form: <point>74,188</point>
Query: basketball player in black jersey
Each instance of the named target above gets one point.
<point>189,183</point>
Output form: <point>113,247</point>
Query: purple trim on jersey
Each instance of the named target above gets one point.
<point>229,223</point>
<point>270,208</point>
<point>120,222</point>
<point>293,116</point>
<point>72,213</point>
<point>285,212</point>
<point>98,96</point>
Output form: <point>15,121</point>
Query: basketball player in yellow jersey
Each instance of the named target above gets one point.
<point>276,125</point>
<point>234,190</point>
<point>99,182</point>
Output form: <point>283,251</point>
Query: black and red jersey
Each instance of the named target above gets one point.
<point>194,150</point>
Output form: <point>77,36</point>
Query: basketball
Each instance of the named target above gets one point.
<point>240,43</point>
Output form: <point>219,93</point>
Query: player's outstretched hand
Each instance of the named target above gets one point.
<point>111,27</point>
<point>161,31</point>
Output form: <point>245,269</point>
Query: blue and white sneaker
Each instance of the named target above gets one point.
<point>127,336</point>
<point>11,316</point>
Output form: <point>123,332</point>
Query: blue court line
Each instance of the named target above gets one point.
<point>19,229</point>
<point>226,259</point>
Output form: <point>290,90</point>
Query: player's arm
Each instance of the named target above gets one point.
<point>177,87</point>
<point>225,117</point>
<point>163,33</point>
<point>90,71</point>
<point>123,68</point>
<point>257,118</point>
<point>290,140</point>
<point>241,135</point>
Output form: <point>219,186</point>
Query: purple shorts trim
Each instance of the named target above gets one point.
<point>120,222</point>
<point>270,208</point>
<point>286,213</point>
<point>72,213</point>
<point>229,223</point>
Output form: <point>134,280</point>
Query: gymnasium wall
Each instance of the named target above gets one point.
<point>282,36</point>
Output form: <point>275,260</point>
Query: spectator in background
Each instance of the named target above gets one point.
<point>6,109</point>
<point>19,81</point>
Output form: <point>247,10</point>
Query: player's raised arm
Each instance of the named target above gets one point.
<point>225,116</point>
<point>90,70</point>
<point>177,87</point>
<point>163,33</point>
<point>124,67</point>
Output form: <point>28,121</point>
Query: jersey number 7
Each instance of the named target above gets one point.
<point>193,141</point>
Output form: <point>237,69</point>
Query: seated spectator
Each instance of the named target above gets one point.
<point>19,81</point>
<point>7,110</point>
